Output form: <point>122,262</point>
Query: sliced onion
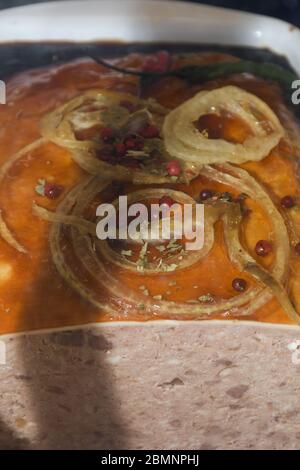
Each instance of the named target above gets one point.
<point>5,233</point>
<point>240,179</point>
<point>183,259</point>
<point>60,126</point>
<point>88,162</point>
<point>8,236</point>
<point>66,272</point>
<point>185,142</point>
<point>82,224</point>
<point>71,212</point>
<point>97,264</point>
<point>238,255</point>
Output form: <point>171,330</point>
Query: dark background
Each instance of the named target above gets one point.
<point>288,10</point>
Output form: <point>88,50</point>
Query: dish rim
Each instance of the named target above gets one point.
<point>139,21</point>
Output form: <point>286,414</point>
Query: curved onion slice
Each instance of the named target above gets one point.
<point>88,162</point>
<point>274,279</point>
<point>182,259</point>
<point>96,256</point>
<point>82,112</point>
<point>185,142</point>
<point>58,256</point>
<point>95,107</point>
<point>5,233</point>
<point>245,262</point>
<point>244,182</point>
<point>82,224</point>
<point>8,236</point>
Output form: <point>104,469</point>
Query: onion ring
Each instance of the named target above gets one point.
<point>185,142</point>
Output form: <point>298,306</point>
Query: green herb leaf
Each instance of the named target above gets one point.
<point>208,298</point>
<point>40,187</point>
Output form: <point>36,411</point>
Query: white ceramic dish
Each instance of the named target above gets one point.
<point>148,20</point>
<point>161,384</point>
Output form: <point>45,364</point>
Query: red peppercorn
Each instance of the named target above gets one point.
<point>287,202</point>
<point>106,153</point>
<point>297,248</point>
<point>239,284</point>
<point>158,62</point>
<point>107,134</point>
<point>263,248</point>
<point>129,143</point>
<point>120,150</point>
<point>149,132</point>
<point>163,56</point>
<point>150,65</point>
<point>166,202</point>
<point>133,143</point>
<point>205,194</point>
<point>173,168</point>
<point>53,191</point>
